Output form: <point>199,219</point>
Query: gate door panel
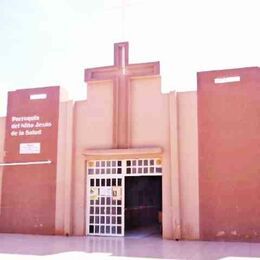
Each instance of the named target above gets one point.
<point>106,192</point>
<point>105,198</point>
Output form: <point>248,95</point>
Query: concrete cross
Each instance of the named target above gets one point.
<point>120,73</point>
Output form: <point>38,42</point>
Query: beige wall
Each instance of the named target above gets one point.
<point>153,116</point>
<point>156,120</point>
<point>188,164</point>
<point>150,127</point>
<point>93,129</point>
<point>2,135</point>
<point>64,170</point>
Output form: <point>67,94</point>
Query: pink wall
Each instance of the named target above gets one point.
<point>150,127</point>
<point>64,170</point>
<point>93,128</point>
<point>2,134</point>
<point>28,191</point>
<point>229,153</point>
<point>153,123</point>
<point>188,164</point>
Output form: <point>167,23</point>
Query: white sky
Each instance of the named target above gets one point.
<point>51,42</point>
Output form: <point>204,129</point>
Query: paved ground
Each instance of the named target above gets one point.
<point>130,248</point>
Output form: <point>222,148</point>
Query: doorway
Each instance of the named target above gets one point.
<point>143,206</point>
<point>110,182</point>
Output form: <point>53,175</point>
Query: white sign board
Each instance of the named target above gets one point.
<point>38,96</point>
<point>105,191</point>
<point>227,80</point>
<point>30,148</point>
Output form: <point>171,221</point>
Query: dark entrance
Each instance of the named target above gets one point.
<point>143,205</point>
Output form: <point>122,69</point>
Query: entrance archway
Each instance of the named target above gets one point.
<point>105,211</point>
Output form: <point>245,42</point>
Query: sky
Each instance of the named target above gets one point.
<point>51,42</point>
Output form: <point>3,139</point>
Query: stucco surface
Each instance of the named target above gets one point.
<point>188,164</point>
<point>64,170</point>
<point>2,134</point>
<point>229,152</point>
<point>93,129</point>
<point>150,127</point>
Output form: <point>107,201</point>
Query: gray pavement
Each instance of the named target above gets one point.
<point>132,248</point>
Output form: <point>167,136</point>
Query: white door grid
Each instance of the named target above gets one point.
<point>106,192</point>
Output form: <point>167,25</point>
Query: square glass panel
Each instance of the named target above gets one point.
<point>113,210</point>
<point>96,229</point>
<point>158,170</point>
<point>119,230</point>
<point>91,229</point>
<point>113,230</point>
<point>107,229</point>
<point>102,229</point>
<point>113,220</point>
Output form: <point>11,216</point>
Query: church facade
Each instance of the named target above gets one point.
<point>130,157</point>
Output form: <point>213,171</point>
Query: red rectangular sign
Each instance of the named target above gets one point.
<point>29,181</point>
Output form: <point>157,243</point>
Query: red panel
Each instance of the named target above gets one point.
<point>229,152</point>
<point>28,198</point>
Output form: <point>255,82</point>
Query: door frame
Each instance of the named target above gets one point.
<point>91,174</point>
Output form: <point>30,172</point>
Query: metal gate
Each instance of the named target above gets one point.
<point>106,194</point>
